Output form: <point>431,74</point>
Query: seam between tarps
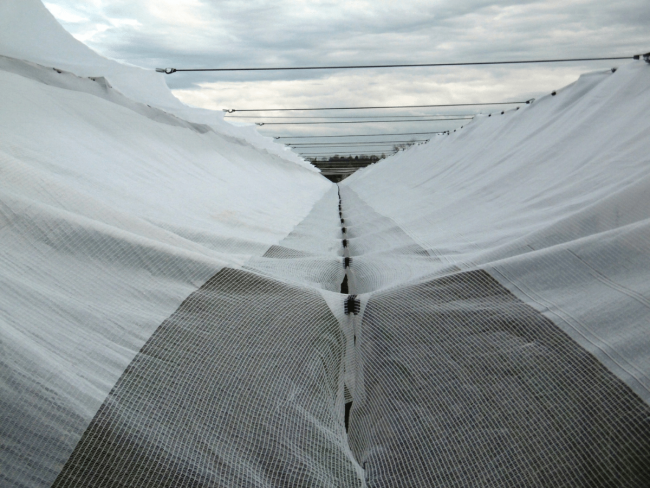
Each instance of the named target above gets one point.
<point>353,319</point>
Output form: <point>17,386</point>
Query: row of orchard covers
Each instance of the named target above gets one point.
<point>170,313</point>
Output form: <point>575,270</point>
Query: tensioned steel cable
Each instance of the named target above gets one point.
<point>375,148</point>
<point>375,143</point>
<point>362,157</point>
<point>342,116</point>
<point>363,135</point>
<point>305,109</point>
<point>347,155</point>
<point>330,146</point>
<point>361,122</point>
<point>342,156</point>
<point>345,148</point>
<point>169,71</point>
<point>347,145</point>
<point>346,152</point>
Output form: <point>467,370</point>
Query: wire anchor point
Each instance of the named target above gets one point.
<point>646,57</point>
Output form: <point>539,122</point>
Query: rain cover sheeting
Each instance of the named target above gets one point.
<point>505,270</point>
<point>170,306</point>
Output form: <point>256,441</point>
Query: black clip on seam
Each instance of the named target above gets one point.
<point>352,305</point>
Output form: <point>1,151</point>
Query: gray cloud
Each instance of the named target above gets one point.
<point>211,33</point>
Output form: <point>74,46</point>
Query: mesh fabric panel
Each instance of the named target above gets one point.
<point>383,254</point>
<point>311,253</point>
<point>241,386</point>
<point>465,385</point>
<point>170,315</point>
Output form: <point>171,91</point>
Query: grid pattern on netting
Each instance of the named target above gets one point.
<point>37,429</point>
<point>76,304</point>
<point>383,254</point>
<point>311,254</point>
<point>241,386</point>
<point>463,384</point>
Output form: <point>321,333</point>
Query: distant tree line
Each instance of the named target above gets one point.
<point>361,158</point>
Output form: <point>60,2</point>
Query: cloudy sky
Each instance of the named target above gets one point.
<point>235,33</point>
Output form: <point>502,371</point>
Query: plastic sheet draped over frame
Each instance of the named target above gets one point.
<point>241,386</point>
<point>169,306</point>
<point>112,213</point>
<point>505,341</point>
<point>466,385</point>
<point>551,199</point>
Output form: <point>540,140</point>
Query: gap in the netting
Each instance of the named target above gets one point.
<point>348,407</point>
<point>344,285</point>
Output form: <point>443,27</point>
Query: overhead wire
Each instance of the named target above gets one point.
<point>320,144</point>
<point>305,109</point>
<point>414,118</point>
<point>361,122</point>
<point>337,143</point>
<point>348,148</point>
<point>342,116</point>
<point>349,156</point>
<point>344,152</point>
<point>362,135</point>
<point>170,71</point>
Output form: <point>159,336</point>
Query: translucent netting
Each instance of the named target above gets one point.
<point>505,337</point>
<point>551,199</point>
<point>462,384</point>
<point>312,253</point>
<point>78,300</point>
<point>241,386</point>
<point>169,306</point>
<point>383,255</point>
<point>111,214</point>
